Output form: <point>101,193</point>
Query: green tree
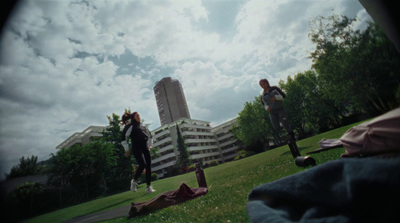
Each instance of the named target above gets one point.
<point>26,167</point>
<point>25,194</point>
<point>243,154</point>
<point>357,70</point>
<point>183,161</point>
<point>112,134</point>
<point>83,167</point>
<point>154,153</point>
<point>376,65</point>
<point>295,104</point>
<point>254,128</point>
<point>308,111</point>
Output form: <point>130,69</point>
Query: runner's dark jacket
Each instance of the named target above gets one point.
<point>266,98</point>
<point>137,133</point>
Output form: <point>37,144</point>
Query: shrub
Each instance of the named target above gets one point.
<point>214,163</point>
<point>142,178</point>
<point>243,153</point>
<point>154,177</point>
<point>192,167</point>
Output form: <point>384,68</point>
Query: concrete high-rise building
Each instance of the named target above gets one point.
<point>171,102</point>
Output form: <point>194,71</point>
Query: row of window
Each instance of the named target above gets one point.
<point>206,151</point>
<point>164,162</point>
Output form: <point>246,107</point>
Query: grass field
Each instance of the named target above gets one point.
<point>229,184</point>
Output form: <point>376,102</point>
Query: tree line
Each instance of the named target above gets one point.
<point>355,75</point>
<point>83,172</point>
<point>76,174</point>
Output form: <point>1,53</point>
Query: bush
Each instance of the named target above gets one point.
<point>243,153</point>
<point>142,178</point>
<point>25,198</point>
<point>214,163</point>
<point>118,185</point>
<point>192,168</point>
<point>154,177</point>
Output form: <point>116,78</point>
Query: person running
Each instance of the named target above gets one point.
<point>141,142</point>
<point>272,100</point>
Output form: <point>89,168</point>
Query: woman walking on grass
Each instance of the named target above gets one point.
<point>272,99</point>
<point>141,142</point>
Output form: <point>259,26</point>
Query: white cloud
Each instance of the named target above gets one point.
<point>212,94</point>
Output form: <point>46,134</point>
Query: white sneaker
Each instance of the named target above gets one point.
<point>149,189</point>
<point>133,185</point>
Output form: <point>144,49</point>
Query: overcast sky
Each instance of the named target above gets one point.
<point>66,65</point>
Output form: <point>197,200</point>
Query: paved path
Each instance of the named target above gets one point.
<point>102,216</point>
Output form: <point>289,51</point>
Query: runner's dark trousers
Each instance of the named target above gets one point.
<point>143,158</point>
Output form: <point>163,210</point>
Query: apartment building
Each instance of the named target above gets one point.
<point>226,142</point>
<point>203,142</point>
<point>81,138</point>
<point>199,139</point>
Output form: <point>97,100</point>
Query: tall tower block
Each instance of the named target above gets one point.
<point>171,102</point>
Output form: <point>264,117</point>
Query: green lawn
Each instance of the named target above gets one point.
<point>229,184</point>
